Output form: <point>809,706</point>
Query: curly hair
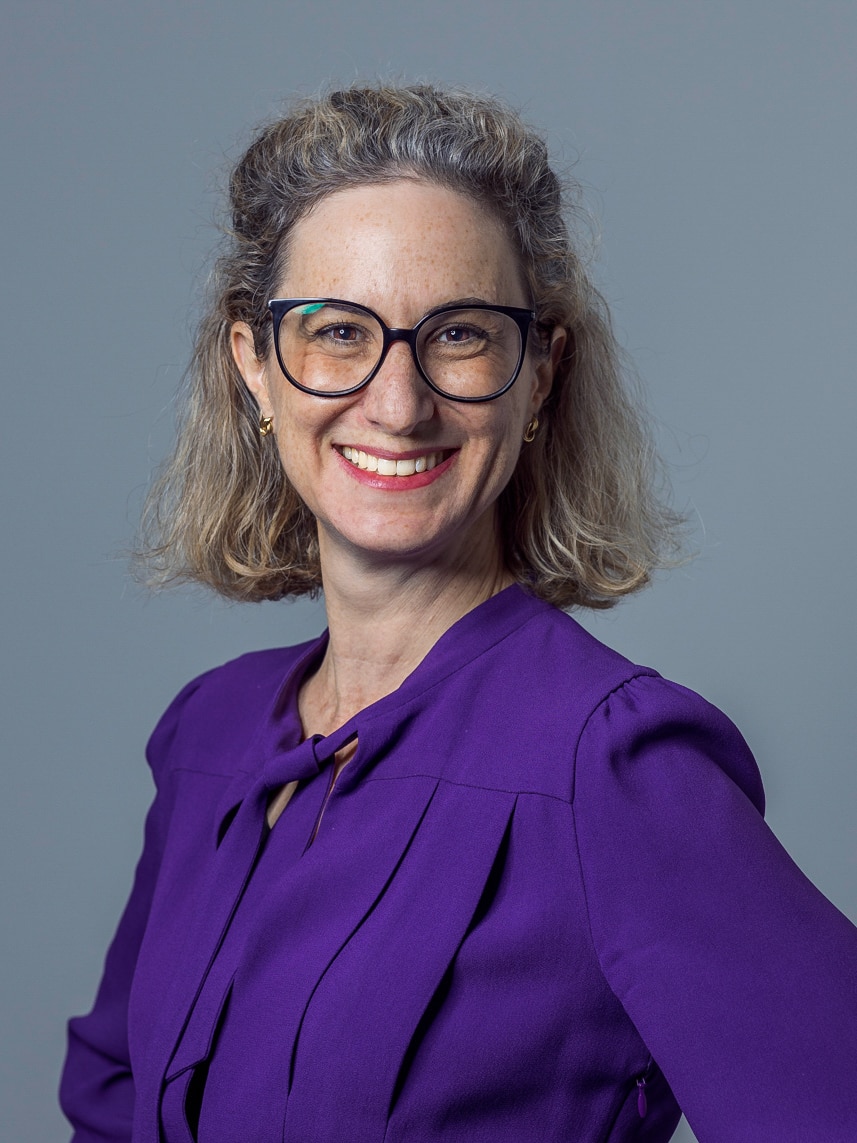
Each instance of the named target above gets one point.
<point>582,520</point>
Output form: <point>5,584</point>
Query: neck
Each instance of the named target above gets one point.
<point>384,618</point>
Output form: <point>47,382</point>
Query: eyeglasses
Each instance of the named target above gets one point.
<point>332,348</point>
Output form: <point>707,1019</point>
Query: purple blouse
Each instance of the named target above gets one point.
<point>540,904</point>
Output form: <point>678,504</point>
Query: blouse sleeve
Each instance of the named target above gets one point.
<point>738,974</point>
<point>97,1087</point>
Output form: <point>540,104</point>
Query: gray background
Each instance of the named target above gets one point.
<point>717,144</point>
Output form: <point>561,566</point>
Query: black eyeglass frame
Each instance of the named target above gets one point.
<point>523,318</point>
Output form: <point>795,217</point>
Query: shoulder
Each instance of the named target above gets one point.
<point>547,675</point>
<point>210,721</point>
<point>551,653</point>
<point>650,734</point>
<point>580,700</point>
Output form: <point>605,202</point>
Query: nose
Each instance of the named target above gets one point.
<point>397,400</point>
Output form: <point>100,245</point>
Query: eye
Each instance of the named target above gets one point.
<point>344,335</point>
<point>340,332</point>
<point>459,339</point>
<point>458,334</point>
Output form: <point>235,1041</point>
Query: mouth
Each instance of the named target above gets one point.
<point>394,466</point>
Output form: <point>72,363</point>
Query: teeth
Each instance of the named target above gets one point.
<point>385,467</point>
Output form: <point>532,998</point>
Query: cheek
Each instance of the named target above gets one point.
<point>304,429</point>
<point>295,439</point>
<point>507,431</point>
<point>498,452</point>
<point>296,416</point>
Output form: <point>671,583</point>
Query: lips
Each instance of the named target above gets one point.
<point>390,466</point>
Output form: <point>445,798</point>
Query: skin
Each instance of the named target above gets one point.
<point>400,563</point>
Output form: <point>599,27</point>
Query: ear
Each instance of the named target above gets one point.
<point>253,370</point>
<point>547,367</point>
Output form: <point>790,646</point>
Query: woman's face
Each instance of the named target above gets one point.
<point>401,249</point>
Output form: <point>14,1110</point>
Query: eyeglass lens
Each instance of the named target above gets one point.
<point>331,348</point>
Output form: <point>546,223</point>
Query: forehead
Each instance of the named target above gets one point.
<point>407,241</point>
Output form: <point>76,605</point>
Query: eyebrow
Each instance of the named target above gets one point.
<point>451,303</point>
<point>460,302</point>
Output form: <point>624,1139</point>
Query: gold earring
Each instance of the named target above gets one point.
<point>530,431</point>
<point>266,424</point>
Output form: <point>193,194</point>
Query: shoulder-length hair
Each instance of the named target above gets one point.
<point>581,520</point>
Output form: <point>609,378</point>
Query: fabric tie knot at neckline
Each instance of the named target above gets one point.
<point>301,763</point>
<point>325,747</point>
<point>308,759</point>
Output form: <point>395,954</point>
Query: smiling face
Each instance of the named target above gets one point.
<point>396,472</point>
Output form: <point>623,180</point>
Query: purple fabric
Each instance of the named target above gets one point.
<point>541,901</point>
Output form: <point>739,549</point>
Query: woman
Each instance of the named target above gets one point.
<point>454,870</point>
